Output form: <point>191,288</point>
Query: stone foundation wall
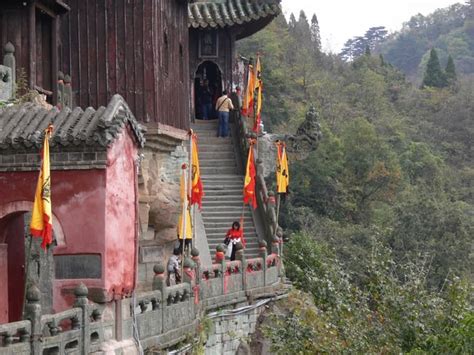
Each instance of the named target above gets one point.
<point>231,335</point>
<point>159,201</point>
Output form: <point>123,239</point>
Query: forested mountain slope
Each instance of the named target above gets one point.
<point>382,214</point>
<point>449,30</point>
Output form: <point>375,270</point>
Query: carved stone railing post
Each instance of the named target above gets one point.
<point>197,261</point>
<point>240,255</point>
<point>9,61</point>
<point>68,95</point>
<point>159,283</point>
<point>33,314</point>
<point>61,97</point>
<point>81,292</point>
<point>263,252</point>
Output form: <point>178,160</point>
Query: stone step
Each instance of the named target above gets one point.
<point>219,203</point>
<point>218,170</point>
<point>216,155</point>
<point>223,196</point>
<point>217,163</point>
<point>226,225</point>
<point>210,147</point>
<point>218,141</point>
<point>221,218</point>
<point>222,177</point>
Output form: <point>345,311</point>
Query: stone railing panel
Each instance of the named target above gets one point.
<point>178,307</point>
<point>255,273</point>
<point>211,284</point>
<point>233,281</point>
<point>62,331</point>
<point>149,314</point>
<point>15,338</point>
<point>272,269</point>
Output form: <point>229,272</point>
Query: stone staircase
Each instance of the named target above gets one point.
<point>223,185</point>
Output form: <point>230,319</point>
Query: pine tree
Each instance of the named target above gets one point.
<point>315,34</point>
<point>434,76</point>
<point>450,71</point>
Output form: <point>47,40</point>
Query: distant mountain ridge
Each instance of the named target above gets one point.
<point>449,30</point>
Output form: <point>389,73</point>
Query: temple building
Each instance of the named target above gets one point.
<point>121,81</point>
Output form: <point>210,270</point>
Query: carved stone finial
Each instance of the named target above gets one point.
<point>262,244</point>
<point>9,48</point>
<point>220,248</point>
<point>33,294</point>
<point>194,252</point>
<point>159,269</point>
<point>60,75</point>
<point>67,79</point>
<point>188,263</point>
<point>81,291</point>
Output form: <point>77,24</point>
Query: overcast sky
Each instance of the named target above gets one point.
<point>340,20</point>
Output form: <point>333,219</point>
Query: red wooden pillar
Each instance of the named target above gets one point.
<point>4,282</point>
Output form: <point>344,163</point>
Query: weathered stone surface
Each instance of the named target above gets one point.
<point>6,83</point>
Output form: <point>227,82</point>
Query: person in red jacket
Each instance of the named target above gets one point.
<point>232,237</point>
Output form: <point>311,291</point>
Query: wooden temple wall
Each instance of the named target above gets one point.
<point>136,48</point>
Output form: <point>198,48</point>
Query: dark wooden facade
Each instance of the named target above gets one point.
<point>136,48</point>
<point>31,26</point>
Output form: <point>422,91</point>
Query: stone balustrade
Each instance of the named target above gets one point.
<point>162,317</point>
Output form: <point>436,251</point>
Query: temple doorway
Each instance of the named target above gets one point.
<point>207,89</point>
<point>14,247</point>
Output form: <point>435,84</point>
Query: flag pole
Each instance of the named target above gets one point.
<point>193,222</point>
<point>184,210</point>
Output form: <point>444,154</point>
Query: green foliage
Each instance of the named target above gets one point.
<point>450,30</point>
<point>450,71</point>
<point>389,312</point>
<point>434,76</point>
<point>382,210</point>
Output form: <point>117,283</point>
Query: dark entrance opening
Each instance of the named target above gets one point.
<point>207,89</point>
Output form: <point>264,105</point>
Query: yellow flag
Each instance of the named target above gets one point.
<point>196,189</point>
<point>41,217</point>
<point>186,223</point>
<point>247,105</point>
<point>282,175</point>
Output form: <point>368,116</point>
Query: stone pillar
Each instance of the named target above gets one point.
<point>197,261</point>
<point>159,283</point>
<point>9,61</point>
<point>68,95</point>
<point>33,314</point>
<point>240,255</point>
<point>159,280</point>
<point>81,292</point>
<point>262,245</point>
<point>61,90</point>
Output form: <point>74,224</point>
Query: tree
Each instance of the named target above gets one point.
<point>315,35</point>
<point>450,71</point>
<point>434,76</point>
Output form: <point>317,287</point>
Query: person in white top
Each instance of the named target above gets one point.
<point>223,106</point>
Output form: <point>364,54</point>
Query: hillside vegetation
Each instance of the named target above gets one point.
<point>450,31</point>
<point>380,218</point>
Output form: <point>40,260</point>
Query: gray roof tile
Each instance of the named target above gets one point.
<point>213,14</point>
<point>22,126</point>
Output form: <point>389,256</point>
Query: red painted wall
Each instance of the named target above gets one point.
<point>78,199</point>
<point>120,228</point>
<point>3,282</point>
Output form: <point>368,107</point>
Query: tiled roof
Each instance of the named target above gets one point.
<point>212,14</point>
<point>22,126</point>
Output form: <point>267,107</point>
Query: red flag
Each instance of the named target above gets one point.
<point>258,89</point>
<point>247,105</point>
<point>249,183</point>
